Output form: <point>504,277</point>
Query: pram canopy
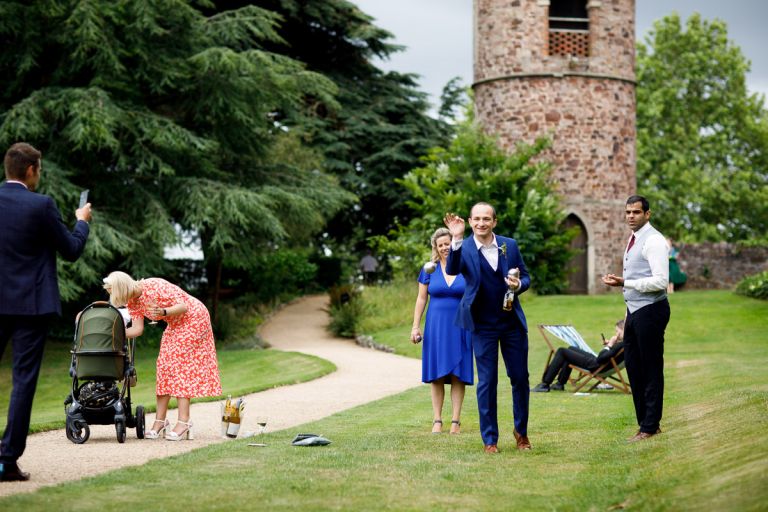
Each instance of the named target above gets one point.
<point>100,343</point>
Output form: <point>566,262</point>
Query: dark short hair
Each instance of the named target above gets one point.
<point>639,199</point>
<point>18,158</point>
<point>482,203</point>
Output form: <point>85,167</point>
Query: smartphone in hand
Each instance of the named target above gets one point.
<point>83,198</point>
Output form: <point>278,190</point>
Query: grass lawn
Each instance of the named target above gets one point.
<point>711,456</point>
<point>242,371</point>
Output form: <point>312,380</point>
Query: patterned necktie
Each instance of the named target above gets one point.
<point>631,242</point>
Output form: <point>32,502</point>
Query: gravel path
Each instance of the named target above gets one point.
<point>363,375</point>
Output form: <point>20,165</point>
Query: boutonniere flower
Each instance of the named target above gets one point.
<point>504,249</point>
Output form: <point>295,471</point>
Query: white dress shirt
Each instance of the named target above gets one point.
<point>656,251</point>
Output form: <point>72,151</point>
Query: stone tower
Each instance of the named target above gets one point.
<point>567,68</point>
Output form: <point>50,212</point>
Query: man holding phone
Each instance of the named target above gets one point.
<point>32,232</point>
<point>83,199</point>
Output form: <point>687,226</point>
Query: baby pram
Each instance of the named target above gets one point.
<point>102,357</point>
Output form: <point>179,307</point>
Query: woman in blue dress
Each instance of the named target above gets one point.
<point>447,350</point>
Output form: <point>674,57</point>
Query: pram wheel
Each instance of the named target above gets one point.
<point>120,429</point>
<point>80,433</point>
<point>140,421</point>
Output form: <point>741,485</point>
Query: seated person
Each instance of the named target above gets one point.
<point>577,357</point>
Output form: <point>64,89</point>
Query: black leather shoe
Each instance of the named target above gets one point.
<point>557,387</point>
<point>10,472</point>
<point>541,388</point>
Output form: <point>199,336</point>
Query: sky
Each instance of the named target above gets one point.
<point>437,34</point>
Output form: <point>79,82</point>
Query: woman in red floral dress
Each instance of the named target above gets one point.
<point>186,365</point>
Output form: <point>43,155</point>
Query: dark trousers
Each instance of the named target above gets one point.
<point>565,356</point>
<point>27,334</point>
<point>514,350</point>
<point>644,357</point>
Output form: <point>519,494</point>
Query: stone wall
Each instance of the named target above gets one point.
<point>720,265</point>
<point>512,36</point>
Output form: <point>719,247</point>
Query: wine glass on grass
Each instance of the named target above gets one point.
<point>261,421</point>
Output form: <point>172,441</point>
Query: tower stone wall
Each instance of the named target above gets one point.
<point>585,103</point>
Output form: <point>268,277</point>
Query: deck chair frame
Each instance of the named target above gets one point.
<point>600,375</point>
<point>552,349</point>
<point>610,370</point>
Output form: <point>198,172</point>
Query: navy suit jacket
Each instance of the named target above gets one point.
<point>31,232</point>
<point>466,261</point>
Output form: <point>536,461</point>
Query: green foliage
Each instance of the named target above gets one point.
<point>237,325</point>
<point>755,286</point>
<point>277,275</point>
<point>702,139</point>
<point>471,169</point>
<point>176,118</point>
<point>453,99</point>
<point>346,309</point>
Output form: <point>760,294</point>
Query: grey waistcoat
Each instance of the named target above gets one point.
<point>637,267</point>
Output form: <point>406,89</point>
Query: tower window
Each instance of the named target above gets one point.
<point>568,28</point>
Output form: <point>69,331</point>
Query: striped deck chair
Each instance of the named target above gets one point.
<point>610,373</point>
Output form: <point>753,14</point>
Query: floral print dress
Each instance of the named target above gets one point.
<point>186,365</point>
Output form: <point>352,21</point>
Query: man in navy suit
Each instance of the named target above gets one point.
<point>32,231</point>
<point>484,262</point>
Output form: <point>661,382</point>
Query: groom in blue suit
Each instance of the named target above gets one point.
<point>32,232</point>
<point>484,261</point>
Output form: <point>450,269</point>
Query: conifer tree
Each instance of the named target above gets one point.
<point>168,113</point>
<point>382,127</point>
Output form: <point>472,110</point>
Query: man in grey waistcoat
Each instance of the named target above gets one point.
<point>644,282</point>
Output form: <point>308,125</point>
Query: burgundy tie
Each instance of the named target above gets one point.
<point>631,242</point>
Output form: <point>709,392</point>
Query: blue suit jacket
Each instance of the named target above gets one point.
<point>466,261</point>
<point>31,232</point>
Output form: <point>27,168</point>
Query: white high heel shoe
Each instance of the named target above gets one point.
<point>187,432</point>
<point>154,434</point>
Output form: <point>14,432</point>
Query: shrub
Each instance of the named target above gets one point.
<point>275,276</point>
<point>238,324</point>
<point>346,311</point>
<point>475,168</point>
<point>755,286</point>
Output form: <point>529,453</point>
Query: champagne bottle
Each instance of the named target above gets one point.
<point>509,297</point>
<point>227,409</point>
<point>234,420</point>
<point>226,415</point>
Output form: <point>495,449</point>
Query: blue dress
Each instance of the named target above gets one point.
<point>447,349</point>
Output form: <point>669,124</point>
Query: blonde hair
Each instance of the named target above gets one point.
<point>121,288</point>
<point>439,233</point>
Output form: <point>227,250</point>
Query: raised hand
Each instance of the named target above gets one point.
<point>455,225</point>
<point>84,213</point>
<point>513,281</point>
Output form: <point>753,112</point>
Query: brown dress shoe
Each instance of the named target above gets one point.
<point>641,436</point>
<point>10,472</point>
<point>522,441</point>
<point>491,448</point>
